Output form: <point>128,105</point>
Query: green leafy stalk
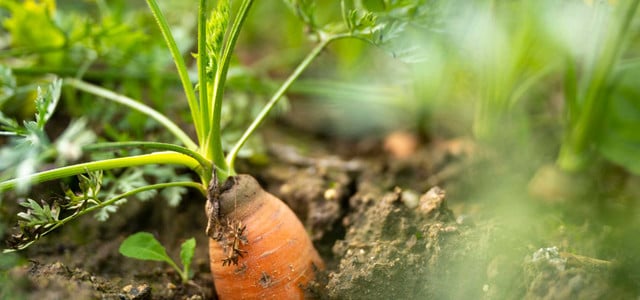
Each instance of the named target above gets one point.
<point>15,52</point>
<point>571,89</point>
<point>167,157</point>
<point>108,202</point>
<point>213,143</point>
<point>93,75</point>
<point>47,102</point>
<point>233,153</point>
<point>206,165</point>
<point>154,114</point>
<point>196,112</point>
<point>574,151</point>
<point>202,62</point>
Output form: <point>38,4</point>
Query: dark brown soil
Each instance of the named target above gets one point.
<point>383,226</point>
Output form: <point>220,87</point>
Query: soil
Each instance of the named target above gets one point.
<point>388,224</point>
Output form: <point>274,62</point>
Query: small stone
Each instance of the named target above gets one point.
<point>410,199</point>
<point>550,255</point>
<point>401,144</point>
<point>331,194</point>
<point>450,229</point>
<point>465,220</point>
<point>412,241</point>
<point>138,292</point>
<point>432,200</point>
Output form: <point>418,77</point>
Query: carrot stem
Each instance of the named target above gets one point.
<point>196,112</point>
<point>213,142</point>
<point>231,157</point>
<point>131,103</point>
<point>167,157</point>
<point>204,163</point>
<point>202,66</point>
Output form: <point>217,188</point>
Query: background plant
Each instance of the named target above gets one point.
<point>144,246</point>
<point>543,75</point>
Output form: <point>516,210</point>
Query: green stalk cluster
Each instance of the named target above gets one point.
<point>577,149</point>
<point>216,43</point>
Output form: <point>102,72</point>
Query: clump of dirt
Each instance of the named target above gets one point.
<point>390,243</point>
<point>552,274</point>
<point>58,281</point>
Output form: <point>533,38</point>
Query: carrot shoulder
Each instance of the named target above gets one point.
<point>260,250</point>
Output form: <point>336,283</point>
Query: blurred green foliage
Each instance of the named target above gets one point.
<point>508,73</point>
<point>620,133</point>
<point>99,42</point>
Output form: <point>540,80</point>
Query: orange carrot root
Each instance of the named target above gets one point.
<point>260,250</point>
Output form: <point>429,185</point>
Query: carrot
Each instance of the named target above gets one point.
<point>258,247</point>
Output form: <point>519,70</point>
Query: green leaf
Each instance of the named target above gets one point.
<point>620,135</point>
<point>69,144</point>
<point>144,246</point>
<point>37,214</point>
<point>186,254</point>
<point>216,28</point>
<point>106,211</point>
<point>32,24</point>
<point>47,101</point>
<point>8,84</point>
<point>9,125</point>
<point>304,10</point>
<point>90,184</point>
<point>134,179</point>
<point>358,20</point>
<point>173,195</point>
